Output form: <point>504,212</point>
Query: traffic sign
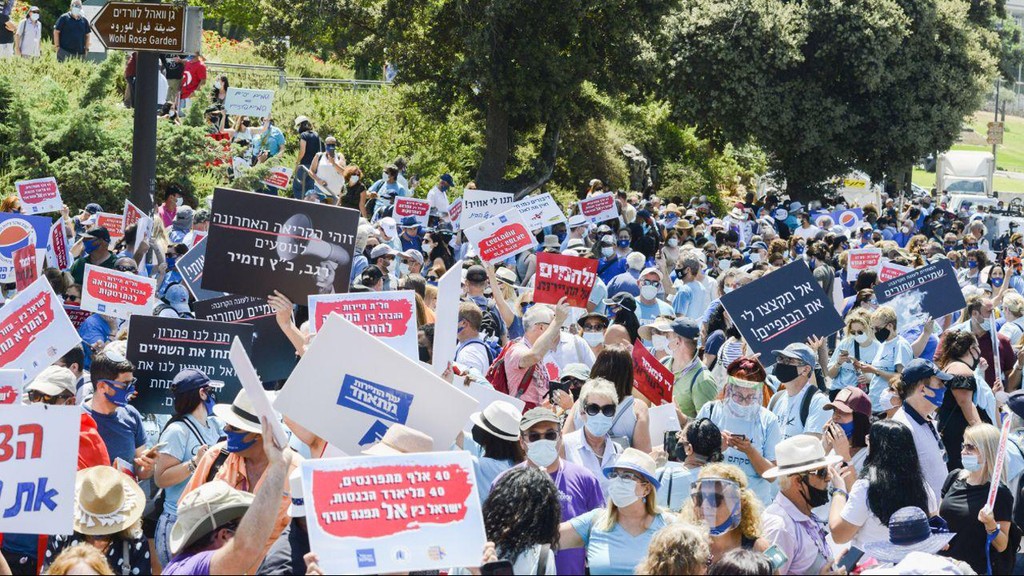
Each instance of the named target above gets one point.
<point>995,133</point>
<point>147,27</point>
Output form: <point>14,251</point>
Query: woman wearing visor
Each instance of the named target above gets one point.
<point>721,500</point>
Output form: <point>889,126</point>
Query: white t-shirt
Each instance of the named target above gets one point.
<point>858,512</point>
<point>806,233</point>
<point>572,349</point>
<point>930,451</point>
<point>437,200</point>
<point>331,174</point>
<point>474,356</point>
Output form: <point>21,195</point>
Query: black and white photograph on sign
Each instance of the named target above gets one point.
<point>273,355</point>
<point>259,243</point>
<point>780,308</point>
<point>190,266</point>
<point>161,347</point>
<point>929,291</point>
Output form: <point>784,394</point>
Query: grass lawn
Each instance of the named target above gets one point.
<point>927,180</point>
<point>1010,155</point>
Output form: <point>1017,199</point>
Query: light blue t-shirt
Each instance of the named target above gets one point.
<point>614,551</point>
<point>896,352</point>
<point>763,431</point>
<point>598,294</point>
<point>183,444</point>
<point>675,485</point>
<point>847,373</point>
<point>486,469</point>
<point>787,410</point>
<point>647,313</point>
<point>689,299</point>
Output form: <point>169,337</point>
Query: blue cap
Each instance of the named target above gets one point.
<point>1015,402</point>
<point>798,351</point>
<point>410,222</point>
<point>189,379</point>
<point>448,178</point>
<point>93,208</point>
<point>919,369</point>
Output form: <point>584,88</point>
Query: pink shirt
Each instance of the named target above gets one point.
<point>167,215</point>
<point>538,387</point>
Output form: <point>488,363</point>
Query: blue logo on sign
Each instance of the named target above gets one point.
<point>102,307</point>
<point>375,399</point>
<point>374,434</point>
<point>366,558</point>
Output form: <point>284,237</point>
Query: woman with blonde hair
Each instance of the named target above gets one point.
<point>80,559</point>
<point>678,548</point>
<point>721,499</point>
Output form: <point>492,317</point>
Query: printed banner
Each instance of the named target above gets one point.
<point>569,276</point>
<point>25,268</point>
<point>259,243</point>
<point>351,404</point>
<point>446,322</point>
<point>781,308</point>
<point>76,315</point>
<point>190,266</point>
<point>272,352</point>
<point>114,223</point>
<point>248,102</point>
<point>393,514</point>
<point>481,205</point>
<point>390,316</point>
<point>11,382</point>
<point>39,196</point>
<point>38,459</point>
<point>501,237</point>
<point>849,218</point>
<point>931,290</point>
<point>861,259</point>
<point>454,213</point>
<point>415,207</point>
<point>117,294</point>
<point>57,249</point>
<point>599,208</point>
<point>540,210</point>
<point>889,271</point>
<point>17,231</point>
<point>279,177</point>
<point>34,331</point>
<point>650,377</point>
<point>162,347</point>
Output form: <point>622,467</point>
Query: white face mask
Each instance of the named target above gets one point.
<point>986,325</point>
<point>179,201</point>
<point>740,411</point>
<point>673,242</point>
<point>403,269</point>
<point>607,251</point>
<point>352,181</point>
<point>886,398</point>
<point>593,339</point>
<point>725,264</point>
<point>862,339</point>
<point>729,289</point>
<point>755,257</point>
<point>392,266</point>
<point>543,453</point>
<point>648,292</point>
<point>427,247</point>
<point>622,492</point>
<point>34,17</point>
<point>218,85</point>
<point>599,424</point>
<point>76,10</point>
<point>659,342</point>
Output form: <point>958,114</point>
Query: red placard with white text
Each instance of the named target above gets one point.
<point>278,177</point>
<point>569,276</point>
<point>390,316</point>
<point>25,267</point>
<point>454,212</point>
<point>889,271</point>
<point>861,259</point>
<point>501,237</point>
<point>39,196</point>
<point>650,377</point>
<point>117,294</point>
<point>57,247</point>
<point>599,208</point>
<point>114,223</point>
<point>76,315</point>
<point>415,207</point>
<point>34,330</point>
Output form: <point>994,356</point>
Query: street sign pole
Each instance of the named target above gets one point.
<point>143,180</point>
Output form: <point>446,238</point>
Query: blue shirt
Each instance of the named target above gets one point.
<point>72,32</point>
<point>617,266</point>
<point>411,242</point>
<point>272,141</point>
<point>183,444</point>
<point>597,296</point>
<point>896,352</point>
<point>847,373</point>
<point>764,433</point>
<point>94,329</point>
<point>359,263</point>
<point>646,313</point>
<point>787,410</point>
<point>614,551</point>
<point>121,431</point>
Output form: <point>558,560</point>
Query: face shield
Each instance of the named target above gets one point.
<point>743,399</point>
<point>717,502</point>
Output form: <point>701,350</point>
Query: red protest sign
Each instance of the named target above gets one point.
<point>390,316</point>
<point>889,271</point>
<point>22,325</point>
<point>862,259</point>
<point>8,394</point>
<point>569,276</point>
<point>500,237</point>
<point>650,377</point>
<point>132,214</point>
<point>58,246</point>
<point>415,207</point>
<point>25,270</point>
<point>454,211</point>
<point>114,223</point>
<point>76,315</point>
<point>117,294</point>
<point>599,208</point>
<point>279,177</point>
<point>39,196</point>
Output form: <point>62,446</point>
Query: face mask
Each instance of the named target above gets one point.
<point>209,403</point>
<point>937,395</point>
<point>599,424</point>
<point>815,496</point>
<point>673,242</point>
<point>170,263</point>
<point>179,201</point>
<point>970,463</point>
<point>648,292</point>
<point>755,257</point>
<point>622,492</point>
<point>996,282</point>
<point>90,246</point>
<point>622,243</point>
<point>847,428</point>
<point>218,85</point>
<point>740,411</point>
<point>972,264</point>
<point>725,265</point>
<point>882,334</point>
<point>237,443</point>
<point>353,180</point>
<point>543,453</point>
<point>659,342</point>
<point>799,249</point>
<point>331,148</point>
<point>121,395</point>
<point>986,325</point>
<point>593,339</point>
<point>731,522</point>
<point>76,10</point>
<point>34,17</point>
<point>786,373</point>
<point>403,269</point>
<point>607,251</point>
<point>886,399</point>
<point>861,339</point>
<point>427,247</point>
<point>392,266</point>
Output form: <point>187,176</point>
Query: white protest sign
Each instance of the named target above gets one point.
<point>11,382</point>
<point>446,313</point>
<point>540,210</point>
<point>248,102</point>
<point>350,387</point>
<point>662,419</point>
<point>254,389</point>
<point>117,294</point>
<point>390,316</point>
<point>39,196</point>
<point>480,205</point>
<point>599,208</point>
<point>34,330</point>
<point>57,250</point>
<point>861,259</point>
<point>393,514</point>
<point>38,459</point>
<point>501,237</point>
<point>411,207</point>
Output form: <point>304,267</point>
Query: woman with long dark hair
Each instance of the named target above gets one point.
<point>630,427</point>
<point>891,479</point>
<point>522,517</point>
<point>435,246</point>
<point>625,314</point>
<point>959,358</point>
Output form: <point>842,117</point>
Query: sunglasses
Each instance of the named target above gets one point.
<point>71,298</point>
<point>649,283</point>
<point>624,475</point>
<point>608,410</point>
<point>532,437</point>
<point>821,473</point>
<point>714,499</point>
<point>593,327</point>
<point>35,397</point>
<point>856,332</point>
<point>126,269</point>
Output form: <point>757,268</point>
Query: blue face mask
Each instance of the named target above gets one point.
<point>121,396</point>
<point>799,249</point>
<point>90,246</point>
<point>972,264</point>
<point>236,442</point>
<point>937,395</point>
<point>622,243</point>
<point>211,399</point>
<point>562,236</point>
<point>170,263</point>
<point>847,428</point>
<point>970,462</point>
<point>996,282</point>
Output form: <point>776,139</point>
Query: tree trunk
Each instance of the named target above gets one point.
<point>491,174</point>
<point>545,164</point>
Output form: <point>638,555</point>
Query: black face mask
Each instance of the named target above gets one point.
<point>786,373</point>
<point>815,496</point>
<point>882,334</point>
<point>424,354</point>
<point>733,332</point>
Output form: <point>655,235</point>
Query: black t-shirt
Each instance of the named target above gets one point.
<point>173,69</point>
<point>6,36</point>
<point>352,193</point>
<point>951,419</point>
<point>72,33</point>
<point>959,508</point>
<point>312,147</point>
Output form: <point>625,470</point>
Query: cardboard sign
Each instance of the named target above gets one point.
<point>248,102</point>
<point>390,316</point>
<point>599,208</point>
<point>132,213</point>
<point>849,218</point>
<point>34,331</point>
<point>143,223</point>
<point>190,266</point>
<point>38,459</point>
<point>57,249</point>
<point>39,196</point>
<point>162,347</point>
<point>117,294</point>
<point>569,276</point>
<point>17,231</point>
<point>254,390</point>
<point>351,404</point>
<point>861,259</point>
<point>650,377</point>
<point>446,318</point>
<point>25,267</point>
<point>11,382</point>
<point>393,514</point>
<point>481,205</point>
<point>485,394</point>
<point>931,290</point>
<point>540,210</point>
<point>501,237</point>
<point>415,207</point>
<point>272,353</point>
<point>76,315</point>
<point>454,213</point>
<point>279,177</point>
<point>662,419</point>
<point>259,243</point>
<point>114,223</point>
<point>889,271</point>
<point>781,308</point>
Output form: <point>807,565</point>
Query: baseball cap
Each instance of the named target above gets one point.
<point>190,379</point>
<point>382,250</point>
<point>53,381</point>
<point>575,370</point>
<point>93,208</point>
<point>1015,402</point>
<point>919,369</point>
<point>623,300</point>
<point>448,178</point>
<point>300,119</point>
<point>798,351</point>
<point>652,270</point>
<point>476,274</point>
<point>389,226</point>
<point>177,298</point>
<point>413,254</point>
<point>849,400</point>
<point>100,233</point>
<point>535,416</point>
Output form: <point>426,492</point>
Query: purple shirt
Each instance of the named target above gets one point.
<point>579,492</point>
<point>195,565</point>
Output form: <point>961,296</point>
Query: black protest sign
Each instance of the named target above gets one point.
<point>931,290</point>
<point>781,308</point>
<point>190,266</point>
<point>162,347</point>
<point>273,355</point>
<point>259,243</point>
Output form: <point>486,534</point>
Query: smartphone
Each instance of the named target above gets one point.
<point>499,568</point>
<point>776,557</point>
<point>850,559</point>
<point>740,436</point>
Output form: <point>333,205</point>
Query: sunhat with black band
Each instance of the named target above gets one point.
<point>499,419</point>
<point>635,461</point>
<point>801,453</point>
<point>241,413</point>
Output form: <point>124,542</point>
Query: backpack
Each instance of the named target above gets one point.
<point>805,404</point>
<point>499,379</point>
<point>491,323</point>
<point>164,306</point>
<point>491,352</point>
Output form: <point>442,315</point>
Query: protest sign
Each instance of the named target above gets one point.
<point>446,322</point>
<point>861,259</point>
<point>599,208</point>
<point>393,514</point>
<point>418,209</point>
<point>162,347</point>
<point>39,196</point>
<point>57,249</point>
<point>38,459</point>
<point>390,316</point>
<point>540,210</point>
<point>931,290</point>
<point>254,390</point>
<point>501,237</point>
<point>34,331</point>
<point>569,276</point>
<point>114,223</point>
<point>662,419</point>
<point>889,271</point>
<point>351,404</point>
<point>117,294</point>
<point>144,224</point>
<point>454,213</point>
<point>279,177</point>
<point>197,237</point>
<point>17,231</point>
<point>481,205</point>
<point>848,218</point>
<point>11,382</point>
<point>76,315</point>
<point>272,352</point>
<point>1004,436</point>
<point>781,308</point>
<point>259,243</point>
<point>650,377</point>
<point>25,270</point>
<point>191,266</point>
<point>248,102</point>
<point>132,213</point>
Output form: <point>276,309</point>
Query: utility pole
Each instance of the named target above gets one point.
<point>143,180</point>
<point>996,118</point>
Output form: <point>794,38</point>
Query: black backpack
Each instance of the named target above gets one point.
<point>805,404</point>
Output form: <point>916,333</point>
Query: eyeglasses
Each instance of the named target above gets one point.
<point>593,327</point>
<point>624,475</point>
<point>120,385</point>
<point>857,332</point>
<point>34,397</point>
<point>608,410</point>
<point>72,298</point>
<point>126,269</point>
<point>744,398</point>
<point>532,437</point>
<point>968,447</point>
<point>648,282</point>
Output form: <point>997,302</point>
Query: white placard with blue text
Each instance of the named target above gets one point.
<point>248,102</point>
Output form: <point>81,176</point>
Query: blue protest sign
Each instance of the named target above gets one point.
<point>931,290</point>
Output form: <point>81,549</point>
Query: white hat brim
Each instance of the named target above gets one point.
<point>885,551</point>
<point>224,412</point>
<point>776,472</point>
<point>476,419</point>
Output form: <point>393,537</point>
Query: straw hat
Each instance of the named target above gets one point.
<point>637,461</point>
<point>401,439</point>
<point>801,453</point>
<point>106,501</point>
<point>499,419</point>
<point>241,413</point>
<point>204,509</point>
